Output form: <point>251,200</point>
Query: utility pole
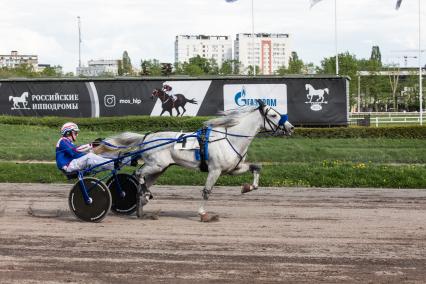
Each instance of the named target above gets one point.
<point>252,36</point>
<point>335,37</point>
<point>79,41</point>
<point>420,68</point>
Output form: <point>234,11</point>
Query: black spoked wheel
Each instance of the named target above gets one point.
<point>124,200</point>
<point>100,196</point>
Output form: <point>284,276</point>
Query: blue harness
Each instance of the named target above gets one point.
<point>202,154</point>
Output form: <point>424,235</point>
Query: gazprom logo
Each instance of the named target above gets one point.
<point>242,100</point>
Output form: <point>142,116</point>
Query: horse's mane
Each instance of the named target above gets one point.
<point>230,117</point>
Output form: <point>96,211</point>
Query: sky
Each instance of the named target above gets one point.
<point>147,28</point>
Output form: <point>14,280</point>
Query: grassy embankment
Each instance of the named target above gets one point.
<point>293,161</point>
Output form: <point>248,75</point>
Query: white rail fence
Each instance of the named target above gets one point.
<point>386,118</point>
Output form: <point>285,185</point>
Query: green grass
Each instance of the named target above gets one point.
<point>22,142</point>
<point>319,162</point>
<point>326,174</point>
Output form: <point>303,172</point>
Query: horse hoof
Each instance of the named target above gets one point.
<point>151,215</point>
<point>246,188</point>
<point>205,217</point>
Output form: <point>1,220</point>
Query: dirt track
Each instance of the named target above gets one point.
<point>270,235</point>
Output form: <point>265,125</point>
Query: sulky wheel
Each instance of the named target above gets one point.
<point>124,200</point>
<point>101,200</point>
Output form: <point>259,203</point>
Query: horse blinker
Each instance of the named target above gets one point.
<point>284,118</point>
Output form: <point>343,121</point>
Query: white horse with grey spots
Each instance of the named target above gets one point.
<point>228,143</point>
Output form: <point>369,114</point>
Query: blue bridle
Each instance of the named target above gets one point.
<point>274,127</point>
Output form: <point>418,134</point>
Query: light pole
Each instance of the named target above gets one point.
<point>252,37</point>
<point>79,41</point>
<point>420,68</point>
<point>335,36</point>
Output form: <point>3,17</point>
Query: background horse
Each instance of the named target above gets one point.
<point>168,104</point>
<point>228,144</point>
<point>22,99</point>
<point>319,93</point>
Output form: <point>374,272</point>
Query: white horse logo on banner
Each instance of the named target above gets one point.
<point>16,100</point>
<point>316,97</point>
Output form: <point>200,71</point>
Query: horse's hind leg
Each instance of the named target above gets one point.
<point>184,110</point>
<point>255,169</point>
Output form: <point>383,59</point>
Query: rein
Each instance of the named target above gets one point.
<point>271,124</point>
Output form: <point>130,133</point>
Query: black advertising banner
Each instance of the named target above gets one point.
<point>318,101</point>
<point>126,98</point>
<point>41,98</point>
<point>308,101</point>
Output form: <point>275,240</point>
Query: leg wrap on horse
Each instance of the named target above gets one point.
<point>206,192</point>
<point>255,168</point>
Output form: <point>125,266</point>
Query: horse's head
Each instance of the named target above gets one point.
<point>307,87</point>
<point>157,93</point>
<point>273,121</point>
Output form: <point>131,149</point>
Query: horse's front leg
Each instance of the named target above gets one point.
<point>210,182</point>
<point>147,176</point>
<point>255,169</point>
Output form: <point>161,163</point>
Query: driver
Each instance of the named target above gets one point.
<point>70,158</point>
<point>169,91</point>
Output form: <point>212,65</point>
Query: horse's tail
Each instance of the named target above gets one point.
<point>192,101</point>
<point>121,142</point>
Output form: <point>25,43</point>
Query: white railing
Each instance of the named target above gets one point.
<point>377,118</point>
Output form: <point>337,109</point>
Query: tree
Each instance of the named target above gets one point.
<point>151,67</point>
<point>197,66</point>
<point>166,69</point>
<point>120,68</point>
<point>376,56</point>
<point>374,86</point>
<point>348,66</point>
<point>295,66</point>
<point>250,70</point>
<point>202,63</point>
<point>213,67</point>
<point>126,64</point>
<point>49,72</point>
<point>226,68</point>
<point>192,69</point>
<point>179,68</point>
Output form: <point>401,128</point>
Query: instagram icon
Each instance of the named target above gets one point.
<point>109,100</point>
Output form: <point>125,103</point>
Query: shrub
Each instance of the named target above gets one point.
<point>147,123</point>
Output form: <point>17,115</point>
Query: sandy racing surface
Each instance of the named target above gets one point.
<point>270,235</point>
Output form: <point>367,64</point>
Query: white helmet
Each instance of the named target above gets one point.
<point>68,127</point>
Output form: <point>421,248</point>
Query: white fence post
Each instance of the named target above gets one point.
<point>377,122</point>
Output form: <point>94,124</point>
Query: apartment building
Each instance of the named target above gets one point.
<point>99,68</point>
<point>267,51</point>
<point>217,47</point>
<point>14,59</point>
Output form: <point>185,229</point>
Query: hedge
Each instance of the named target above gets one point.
<point>147,123</point>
